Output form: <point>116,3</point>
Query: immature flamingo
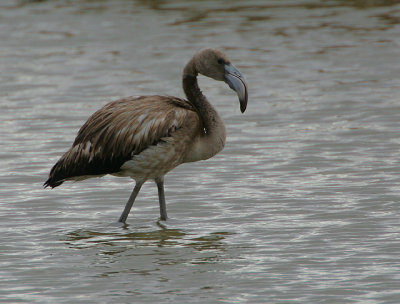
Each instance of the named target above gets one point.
<point>146,137</point>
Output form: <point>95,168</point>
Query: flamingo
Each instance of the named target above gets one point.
<point>146,137</point>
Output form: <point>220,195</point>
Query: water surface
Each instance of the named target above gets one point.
<point>302,206</point>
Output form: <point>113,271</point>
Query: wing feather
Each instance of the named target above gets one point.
<point>117,132</point>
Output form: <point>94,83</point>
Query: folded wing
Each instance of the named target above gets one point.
<point>117,132</point>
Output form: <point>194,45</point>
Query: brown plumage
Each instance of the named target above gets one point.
<point>120,131</point>
<point>146,137</point>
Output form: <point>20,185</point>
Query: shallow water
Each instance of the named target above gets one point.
<point>302,206</point>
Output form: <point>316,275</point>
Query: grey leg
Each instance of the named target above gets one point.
<point>161,198</point>
<point>130,202</point>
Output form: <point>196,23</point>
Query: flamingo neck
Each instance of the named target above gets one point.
<point>213,133</point>
<point>206,111</point>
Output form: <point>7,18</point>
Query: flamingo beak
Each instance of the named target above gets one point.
<point>237,82</point>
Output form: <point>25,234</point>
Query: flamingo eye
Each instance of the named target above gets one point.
<point>221,61</point>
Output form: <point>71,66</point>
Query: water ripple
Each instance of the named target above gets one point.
<point>300,207</point>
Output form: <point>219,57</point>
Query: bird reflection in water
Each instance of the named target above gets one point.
<point>114,242</point>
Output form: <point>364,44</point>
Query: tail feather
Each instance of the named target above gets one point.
<point>56,176</point>
<point>74,165</point>
<point>51,182</point>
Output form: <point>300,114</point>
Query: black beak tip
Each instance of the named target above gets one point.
<point>243,101</point>
<point>243,107</point>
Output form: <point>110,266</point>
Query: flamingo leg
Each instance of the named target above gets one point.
<point>161,198</point>
<point>130,202</point>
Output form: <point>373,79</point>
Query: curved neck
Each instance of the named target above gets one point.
<point>208,115</point>
<point>212,135</point>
